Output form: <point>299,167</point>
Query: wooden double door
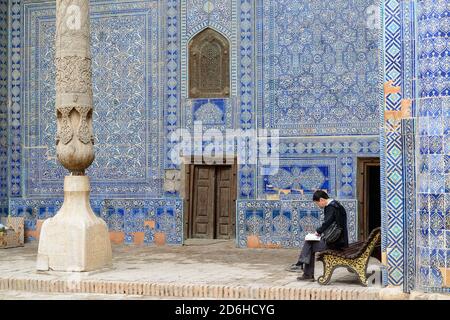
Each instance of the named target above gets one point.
<point>212,202</point>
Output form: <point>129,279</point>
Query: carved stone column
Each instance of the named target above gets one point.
<point>75,239</point>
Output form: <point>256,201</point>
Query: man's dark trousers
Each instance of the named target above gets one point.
<point>307,255</point>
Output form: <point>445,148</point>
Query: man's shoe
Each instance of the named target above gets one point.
<point>306,278</point>
<point>294,268</point>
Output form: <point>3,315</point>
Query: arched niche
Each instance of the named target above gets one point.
<point>209,60</point>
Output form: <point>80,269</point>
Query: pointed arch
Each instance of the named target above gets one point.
<point>209,65</point>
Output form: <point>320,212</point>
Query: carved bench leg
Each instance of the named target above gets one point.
<point>360,268</point>
<point>363,279</point>
<point>328,269</point>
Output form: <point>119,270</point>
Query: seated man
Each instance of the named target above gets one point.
<point>333,211</point>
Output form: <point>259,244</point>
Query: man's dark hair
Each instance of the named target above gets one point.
<point>320,194</point>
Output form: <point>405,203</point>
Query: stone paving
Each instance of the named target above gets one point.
<point>200,269</point>
<point>25,295</point>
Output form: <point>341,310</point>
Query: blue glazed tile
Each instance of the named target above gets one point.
<point>209,111</point>
<point>437,258</point>
<point>437,183</point>
<point>275,213</point>
<point>303,213</point>
<point>172,238</point>
<point>27,212</point>
<point>149,235</point>
<point>424,145</point>
<point>423,125</point>
<point>446,122</point>
<point>316,214</point>
<point>447,144</point>
<point>437,202</point>
<point>288,214</point>
<point>433,107</point>
<point>281,226</point>
<point>97,211</point>
<point>42,213</point>
<point>51,211</point>
<point>436,277</point>
<point>424,219</point>
<point>254,225</point>
<point>435,144</point>
<point>437,163</point>
<point>447,183</point>
<point>423,182</point>
<point>423,163</point>
<point>305,177</point>
<point>436,126</point>
<point>139,212</point>
<point>424,256</point>
<point>170,211</point>
<point>138,218</point>
<point>129,238</point>
<point>437,238</point>
<point>422,110</point>
<point>30,224</point>
<point>447,222</point>
<point>424,238</point>
<point>116,221</point>
<point>447,238</point>
<point>166,223</point>
<point>424,276</point>
<point>437,220</point>
<point>424,202</point>
<point>442,254</point>
<point>447,259</point>
<point>258,213</point>
<point>447,164</point>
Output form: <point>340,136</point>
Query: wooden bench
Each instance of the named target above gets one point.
<point>355,258</point>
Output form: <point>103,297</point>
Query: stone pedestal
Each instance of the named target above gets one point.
<point>74,239</point>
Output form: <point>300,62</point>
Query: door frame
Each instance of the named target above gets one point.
<point>362,188</point>
<point>187,188</point>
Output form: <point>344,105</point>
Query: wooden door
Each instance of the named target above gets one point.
<point>368,192</point>
<point>203,202</point>
<point>213,208</point>
<point>225,223</point>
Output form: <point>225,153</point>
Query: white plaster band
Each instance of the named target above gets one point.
<point>76,184</point>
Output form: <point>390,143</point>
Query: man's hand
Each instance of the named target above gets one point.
<point>317,234</point>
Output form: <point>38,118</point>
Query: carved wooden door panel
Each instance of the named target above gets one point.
<point>213,202</point>
<point>203,202</point>
<point>225,210</point>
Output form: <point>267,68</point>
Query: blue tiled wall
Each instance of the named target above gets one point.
<point>123,216</point>
<point>140,79</point>
<point>125,39</point>
<point>433,144</point>
<point>285,223</point>
<point>3,104</point>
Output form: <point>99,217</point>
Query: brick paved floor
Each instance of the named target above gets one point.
<point>199,263</point>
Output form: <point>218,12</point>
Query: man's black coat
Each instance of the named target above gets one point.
<point>335,212</point>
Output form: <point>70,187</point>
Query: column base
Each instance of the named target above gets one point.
<point>74,239</point>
